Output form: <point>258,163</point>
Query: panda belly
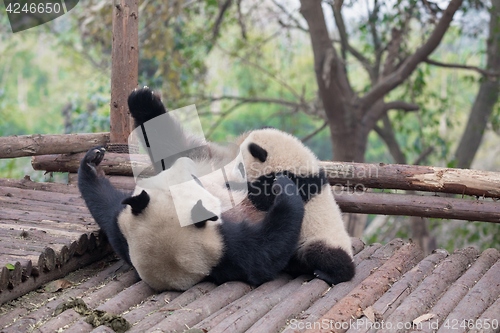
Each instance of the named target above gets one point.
<point>175,265</point>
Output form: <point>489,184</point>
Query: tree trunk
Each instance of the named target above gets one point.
<point>350,116</point>
<point>486,97</point>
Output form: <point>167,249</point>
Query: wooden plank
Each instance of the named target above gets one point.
<point>414,177</point>
<point>37,144</point>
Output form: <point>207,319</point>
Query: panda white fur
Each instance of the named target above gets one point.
<point>143,228</point>
<point>324,245</point>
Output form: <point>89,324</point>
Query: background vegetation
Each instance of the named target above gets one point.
<point>248,64</point>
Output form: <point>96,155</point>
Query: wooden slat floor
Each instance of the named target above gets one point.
<point>45,232</point>
<point>396,287</point>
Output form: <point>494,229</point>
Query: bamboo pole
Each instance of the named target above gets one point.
<point>37,144</point>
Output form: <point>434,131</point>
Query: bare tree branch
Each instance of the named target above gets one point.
<point>386,133</point>
<point>296,22</point>
<point>410,64</point>
<point>377,46</point>
<point>249,100</point>
<point>216,28</point>
<point>222,115</point>
<point>336,6</point>
<point>460,66</point>
<point>401,105</point>
<point>313,134</point>
<point>423,155</point>
<point>240,21</point>
<point>378,111</point>
<point>265,71</point>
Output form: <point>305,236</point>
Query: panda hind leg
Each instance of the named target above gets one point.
<point>330,264</point>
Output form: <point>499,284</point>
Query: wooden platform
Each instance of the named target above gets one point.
<point>46,234</point>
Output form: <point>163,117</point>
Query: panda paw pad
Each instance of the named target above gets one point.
<point>94,156</point>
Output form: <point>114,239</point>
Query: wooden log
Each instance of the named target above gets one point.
<point>83,243</point>
<point>371,288</point>
<point>150,306</point>
<point>378,255</point>
<point>205,306</point>
<point>27,184</point>
<point>293,305</point>
<point>112,164</point>
<point>245,317</point>
<point>456,292</point>
<point>124,67</point>
<point>37,144</point>
<point>479,298</point>
<point>418,205</point>
<point>489,316</point>
<point>179,302</point>
<point>245,302</point>
<point>353,175</point>
<point>417,303</point>
<point>414,177</point>
<point>16,275</point>
<point>49,260</point>
<point>393,298</point>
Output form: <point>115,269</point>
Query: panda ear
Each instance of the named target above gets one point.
<point>200,215</point>
<point>258,152</point>
<point>138,202</point>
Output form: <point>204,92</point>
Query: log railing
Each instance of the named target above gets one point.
<point>475,193</point>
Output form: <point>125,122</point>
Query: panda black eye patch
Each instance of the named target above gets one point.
<point>138,203</point>
<point>258,152</point>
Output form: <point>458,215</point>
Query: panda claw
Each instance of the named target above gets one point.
<point>94,156</point>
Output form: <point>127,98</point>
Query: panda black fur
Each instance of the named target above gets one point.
<point>144,229</point>
<point>324,245</point>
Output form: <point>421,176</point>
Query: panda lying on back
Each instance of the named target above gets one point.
<point>324,245</point>
<point>143,228</point>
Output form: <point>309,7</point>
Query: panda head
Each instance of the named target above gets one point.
<point>171,224</point>
<point>178,190</point>
<point>270,151</point>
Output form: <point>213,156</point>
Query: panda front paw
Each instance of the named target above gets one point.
<point>283,185</point>
<point>94,156</point>
<point>144,104</point>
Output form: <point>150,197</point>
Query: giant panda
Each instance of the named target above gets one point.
<point>143,228</point>
<point>324,246</point>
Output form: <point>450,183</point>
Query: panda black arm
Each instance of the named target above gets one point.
<point>103,200</point>
<point>256,253</point>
